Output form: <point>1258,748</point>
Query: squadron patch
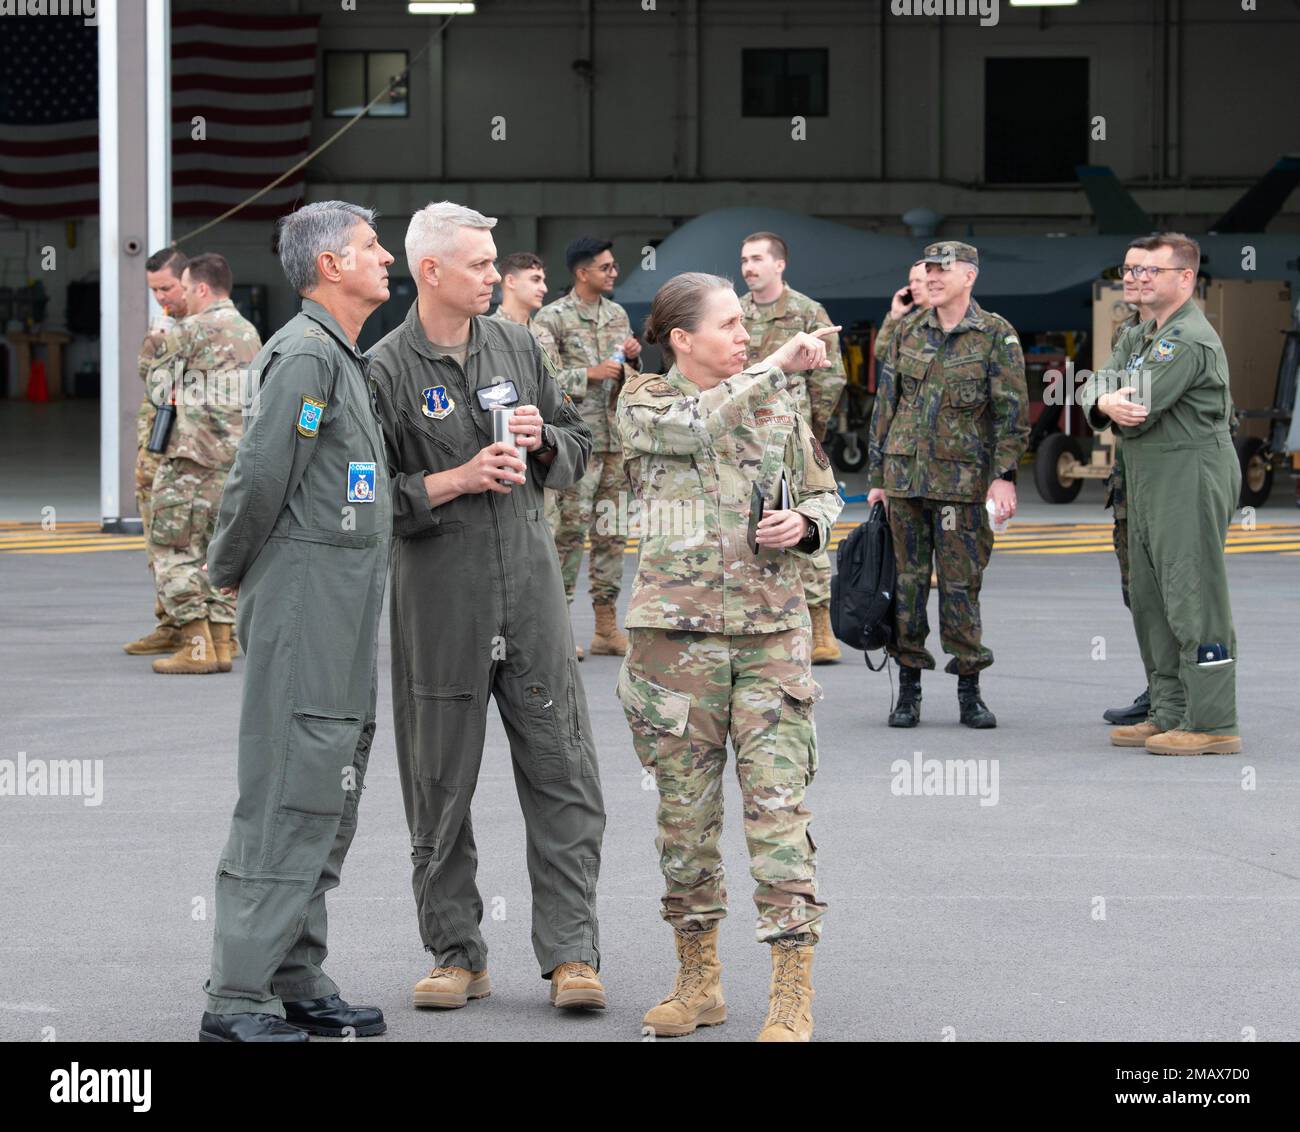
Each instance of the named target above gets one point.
<point>1162,351</point>
<point>361,482</point>
<point>819,454</point>
<point>661,389</point>
<point>309,416</point>
<point>436,402</point>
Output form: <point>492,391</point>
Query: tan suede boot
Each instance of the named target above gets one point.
<point>1179,742</point>
<point>789,1015</point>
<point>697,994</point>
<point>1135,736</point>
<point>826,649</point>
<point>450,988</point>
<point>576,986</point>
<point>197,655</point>
<point>608,641</point>
<point>164,639</point>
<point>223,638</point>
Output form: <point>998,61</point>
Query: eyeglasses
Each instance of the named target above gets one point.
<point>1139,272</point>
<point>605,268</point>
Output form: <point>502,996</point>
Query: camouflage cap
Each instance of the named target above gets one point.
<point>947,251</point>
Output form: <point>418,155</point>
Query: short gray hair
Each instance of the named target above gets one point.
<point>325,226</point>
<point>433,229</point>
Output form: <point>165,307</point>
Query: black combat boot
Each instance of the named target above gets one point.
<point>907,712</point>
<point>1136,712</point>
<point>973,711</point>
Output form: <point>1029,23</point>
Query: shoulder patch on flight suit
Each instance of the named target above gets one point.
<point>309,416</point>
<point>661,389</point>
<point>1162,351</point>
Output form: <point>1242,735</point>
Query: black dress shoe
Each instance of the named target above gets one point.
<point>1135,713</point>
<point>330,1016</point>
<point>247,1028</point>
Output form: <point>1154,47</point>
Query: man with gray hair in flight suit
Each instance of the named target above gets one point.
<point>479,610</point>
<point>302,534</point>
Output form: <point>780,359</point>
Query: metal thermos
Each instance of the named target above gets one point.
<point>501,434</point>
<point>161,432</point>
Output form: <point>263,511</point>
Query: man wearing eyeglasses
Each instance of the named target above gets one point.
<point>1165,391</point>
<point>1134,261</point>
<point>596,350</point>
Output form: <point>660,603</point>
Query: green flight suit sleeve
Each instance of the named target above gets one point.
<point>571,434</point>
<point>1106,380</point>
<point>812,484</point>
<point>412,515</point>
<point>882,415</point>
<point>1008,402</point>
<point>270,461</point>
<point>681,425</point>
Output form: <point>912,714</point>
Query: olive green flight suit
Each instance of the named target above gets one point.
<point>304,532</point>
<point>1183,480</point>
<point>478,611</point>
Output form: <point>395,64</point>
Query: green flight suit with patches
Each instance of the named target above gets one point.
<point>303,531</point>
<point>1183,480</point>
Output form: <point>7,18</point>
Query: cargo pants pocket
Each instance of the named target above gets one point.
<point>445,728</point>
<point>654,713</point>
<point>318,763</point>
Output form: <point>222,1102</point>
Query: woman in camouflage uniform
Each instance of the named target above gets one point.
<point>721,638</point>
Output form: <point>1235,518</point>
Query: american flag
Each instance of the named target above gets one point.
<point>250,78</point>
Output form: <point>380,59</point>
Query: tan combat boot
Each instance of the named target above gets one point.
<point>608,641</point>
<point>697,994</point>
<point>164,639</point>
<point>197,655</point>
<point>1135,736</point>
<point>450,988</point>
<point>577,986</point>
<point>789,1015</point>
<point>826,649</point>
<point>1178,742</point>
<point>223,637</point>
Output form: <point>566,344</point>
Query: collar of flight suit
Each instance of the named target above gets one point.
<point>1173,324</point>
<point>973,319</point>
<point>415,337</point>
<point>317,313</point>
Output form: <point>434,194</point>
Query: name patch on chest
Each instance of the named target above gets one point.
<point>436,402</point>
<point>766,416</point>
<point>361,482</point>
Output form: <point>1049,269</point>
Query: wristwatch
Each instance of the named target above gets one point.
<point>548,440</point>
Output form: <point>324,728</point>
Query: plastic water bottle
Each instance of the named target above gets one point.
<point>992,508</point>
<point>618,355</point>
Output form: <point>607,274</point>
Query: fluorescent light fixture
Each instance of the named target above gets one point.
<point>1043,3</point>
<point>438,8</point>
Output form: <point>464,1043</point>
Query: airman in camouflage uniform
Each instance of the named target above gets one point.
<point>163,274</point>
<point>816,393</point>
<point>951,416</point>
<point>720,645</point>
<point>587,335</point>
<point>202,360</point>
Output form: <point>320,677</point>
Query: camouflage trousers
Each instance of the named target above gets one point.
<point>590,509</point>
<point>186,497</point>
<point>958,540</point>
<point>146,467</point>
<point>683,693</point>
<point>815,573</point>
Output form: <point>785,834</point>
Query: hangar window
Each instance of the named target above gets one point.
<point>780,82</point>
<point>1035,119</point>
<point>353,78</point>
